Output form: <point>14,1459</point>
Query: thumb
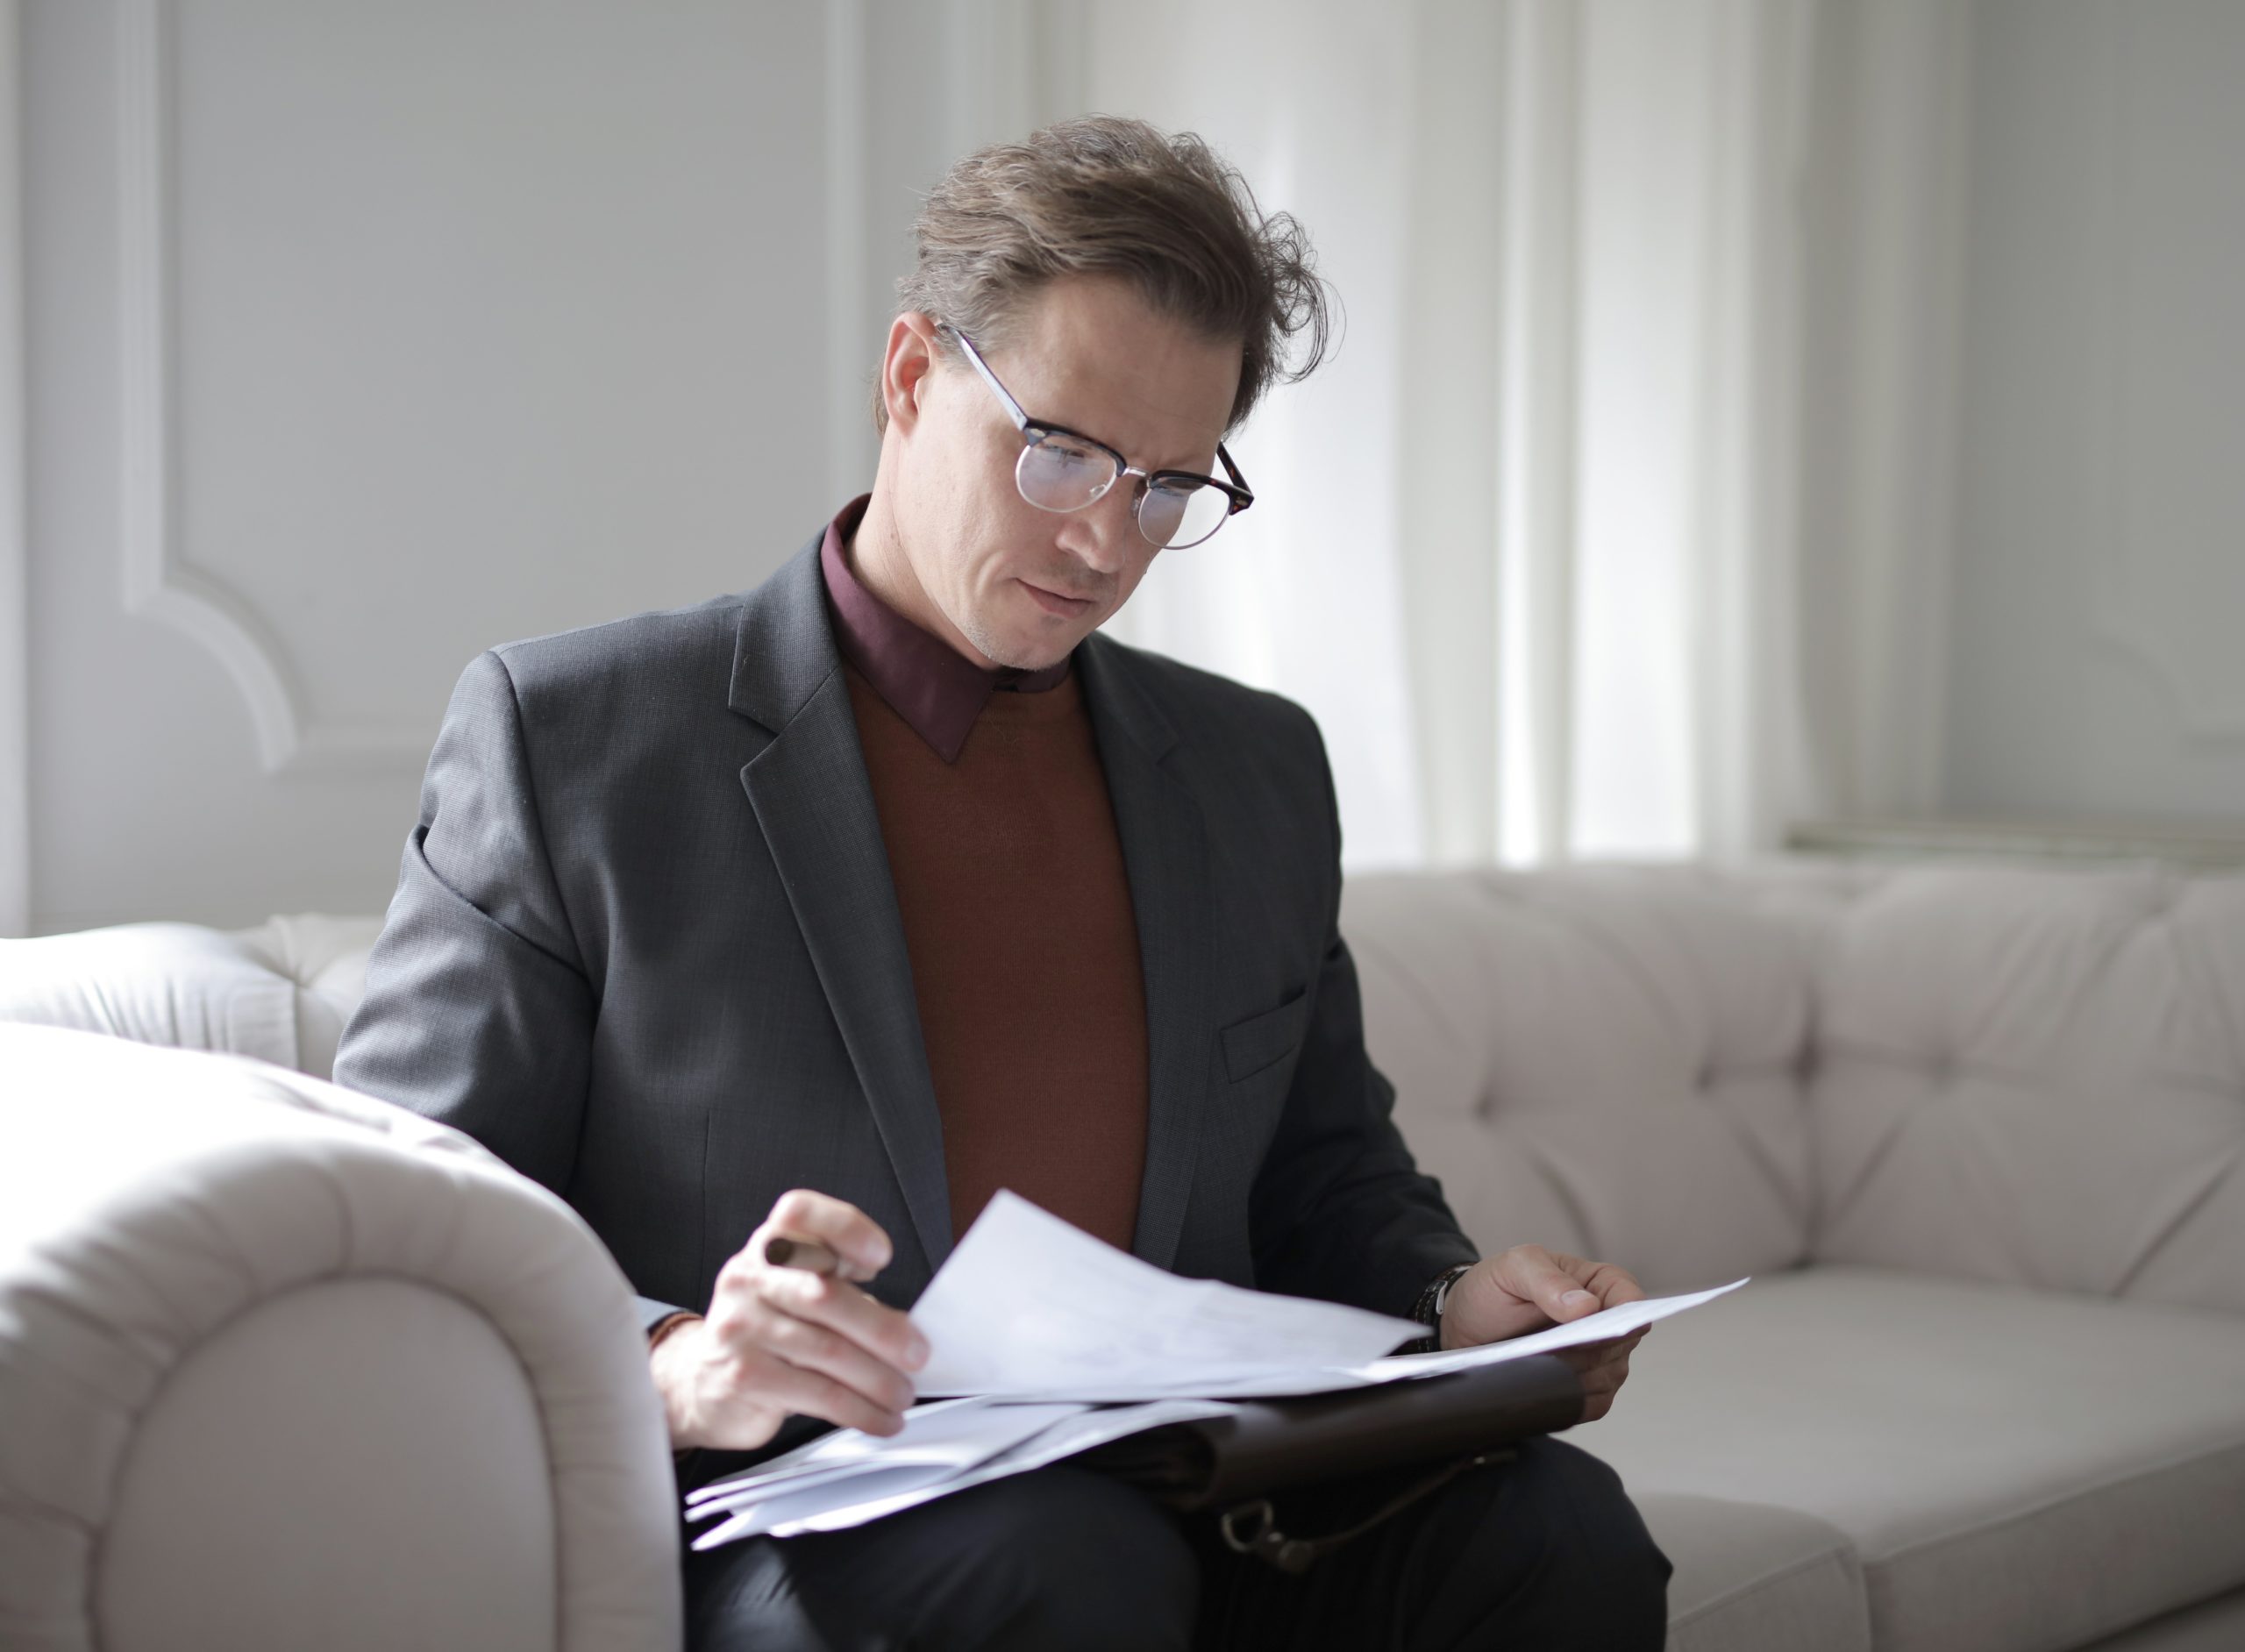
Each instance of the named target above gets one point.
<point>1558,1293</point>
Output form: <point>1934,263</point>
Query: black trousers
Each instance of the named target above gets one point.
<point>1545,1551</point>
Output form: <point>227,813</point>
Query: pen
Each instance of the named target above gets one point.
<point>807,1254</point>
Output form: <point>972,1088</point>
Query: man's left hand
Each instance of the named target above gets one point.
<point>1528,1288</point>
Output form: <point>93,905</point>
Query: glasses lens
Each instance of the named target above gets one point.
<point>1182,513</point>
<point>1058,473</point>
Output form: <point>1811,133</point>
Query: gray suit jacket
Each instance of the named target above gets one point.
<point>645,947</point>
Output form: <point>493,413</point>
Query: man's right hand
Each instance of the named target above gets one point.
<point>778,1340</point>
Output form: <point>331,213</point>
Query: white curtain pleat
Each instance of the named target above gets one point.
<point>1751,772</point>
<point>1536,480</point>
<point>1316,102</point>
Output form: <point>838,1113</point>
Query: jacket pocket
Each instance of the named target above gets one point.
<point>1253,1045</point>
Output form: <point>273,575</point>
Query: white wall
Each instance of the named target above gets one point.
<point>2098,630</point>
<point>363,337</point>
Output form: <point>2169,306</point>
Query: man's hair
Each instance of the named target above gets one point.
<point>1101,194</point>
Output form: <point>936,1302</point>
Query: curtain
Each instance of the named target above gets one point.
<point>1533,545</point>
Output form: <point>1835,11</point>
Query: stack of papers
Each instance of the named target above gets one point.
<point>848,1478</point>
<point>1053,1341</point>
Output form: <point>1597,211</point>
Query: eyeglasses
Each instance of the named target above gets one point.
<point>1064,470</point>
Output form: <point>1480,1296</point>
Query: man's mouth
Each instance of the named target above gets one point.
<point>1056,601</point>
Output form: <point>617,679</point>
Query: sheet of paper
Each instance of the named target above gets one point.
<point>953,1435</point>
<point>1591,1328</point>
<point>793,1507</point>
<point>1028,1303</point>
<point>1267,1384</point>
<point>868,1495</point>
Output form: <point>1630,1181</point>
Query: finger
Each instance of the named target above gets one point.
<point>882,1331</point>
<point>1533,1274</point>
<point>1617,1348</point>
<point>770,1381</point>
<point>1587,1357</point>
<point>1598,1389</point>
<point>1608,1376</point>
<point>801,1212</point>
<point>1611,1285</point>
<point>1615,1372</point>
<point>810,1346</point>
<point>1610,1356</point>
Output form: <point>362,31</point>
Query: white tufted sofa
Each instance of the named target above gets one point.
<point>1979,1132</point>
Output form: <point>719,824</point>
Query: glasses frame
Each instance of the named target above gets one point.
<point>1035,430</point>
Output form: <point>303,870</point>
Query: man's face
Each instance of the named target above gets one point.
<point>1086,353</point>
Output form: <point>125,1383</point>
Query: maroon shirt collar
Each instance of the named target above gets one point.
<point>925,680</point>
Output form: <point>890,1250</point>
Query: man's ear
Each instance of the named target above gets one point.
<point>905,368</point>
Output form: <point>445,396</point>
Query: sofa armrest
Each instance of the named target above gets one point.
<point>286,1366</point>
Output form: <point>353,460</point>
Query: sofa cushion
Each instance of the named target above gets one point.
<point>323,956</point>
<point>2212,1625</point>
<point>1606,1060</point>
<point>2016,1467</point>
<point>1753,1578</point>
<point>2037,1077</point>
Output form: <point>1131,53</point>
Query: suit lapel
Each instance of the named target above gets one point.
<point>810,793</point>
<point>1166,853</point>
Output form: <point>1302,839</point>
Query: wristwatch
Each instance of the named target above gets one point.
<point>1428,1309</point>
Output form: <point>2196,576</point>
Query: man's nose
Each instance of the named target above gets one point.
<point>1103,532</point>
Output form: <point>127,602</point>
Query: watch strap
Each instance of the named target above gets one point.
<point>1428,1309</point>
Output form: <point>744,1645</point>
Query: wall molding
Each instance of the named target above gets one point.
<point>159,584</point>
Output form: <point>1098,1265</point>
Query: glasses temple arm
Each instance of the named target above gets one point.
<point>1012,408</point>
<point>1238,481</point>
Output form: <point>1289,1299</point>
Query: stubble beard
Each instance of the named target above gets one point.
<point>994,647</point>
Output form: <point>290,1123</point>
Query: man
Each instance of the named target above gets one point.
<point>828,909</point>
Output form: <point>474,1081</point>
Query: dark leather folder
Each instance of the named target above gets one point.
<point>1272,1444</point>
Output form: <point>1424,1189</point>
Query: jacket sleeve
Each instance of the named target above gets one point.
<point>1339,1208</point>
<point>477,1010</point>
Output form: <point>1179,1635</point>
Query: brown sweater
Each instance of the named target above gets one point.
<point>1024,952</point>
